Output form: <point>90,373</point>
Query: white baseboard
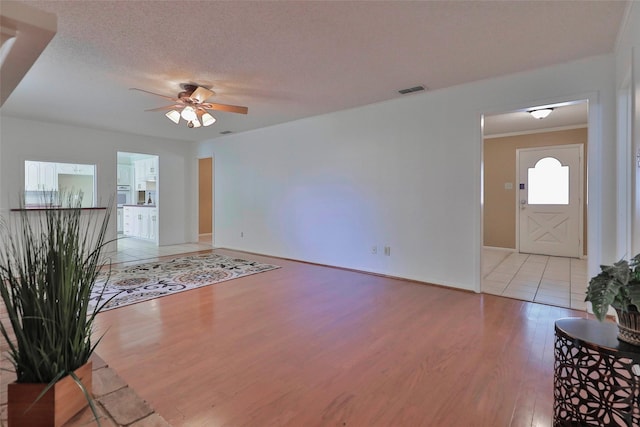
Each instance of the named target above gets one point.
<point>495,248</point>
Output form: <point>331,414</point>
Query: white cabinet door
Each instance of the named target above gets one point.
<point>146,223</point>
<point>139,170</point>
<point>124,175</point>
<point>40,176</point>
<point>140,174</point>
<point>127,220</point>
<point>153,223</point>
<point>66,168</point>
<point>151,169</point>
<point>134,222</point>
<point>120,219</point>
<point>75,169</point>
<point>48,176</point>
<point>31,176</point>
<point>85,170</point>
<point>141,223</point>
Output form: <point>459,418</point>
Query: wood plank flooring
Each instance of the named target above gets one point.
<point>307,345</point>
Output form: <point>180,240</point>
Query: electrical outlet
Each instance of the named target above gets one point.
<point>387,250</point>
<point>374,250</point>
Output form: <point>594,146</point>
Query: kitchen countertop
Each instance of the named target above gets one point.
<point>139,206</point>
<point>46,208</point>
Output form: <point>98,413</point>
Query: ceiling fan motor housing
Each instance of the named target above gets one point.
<point>188,90</point>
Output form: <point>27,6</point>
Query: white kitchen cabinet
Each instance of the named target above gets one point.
<point>48,176</point>
<point>153,223</point>
<point>139,170</point>
<point>85,170</point>
<point>145,170</point>
<point>75,169</point>
<point>151,168</point>
<point>124,174</point>
<point>40,176</point>
<point>120,220</point>
<point>66,168</point>
<point>31,176</point>
<point>140,222</point>
<point>127,220</point>
<point>140,174</point>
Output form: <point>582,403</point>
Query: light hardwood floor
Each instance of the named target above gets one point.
<point>307,345</point>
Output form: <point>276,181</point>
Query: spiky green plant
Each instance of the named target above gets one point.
<point>49,261</point>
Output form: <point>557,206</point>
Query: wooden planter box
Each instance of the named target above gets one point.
<point>64,400</point>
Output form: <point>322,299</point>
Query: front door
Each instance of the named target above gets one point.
<point>550,200</point>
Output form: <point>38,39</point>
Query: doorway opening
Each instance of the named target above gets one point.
<point>534,238</point>
<point>205,200</point>
<point>138,190</point>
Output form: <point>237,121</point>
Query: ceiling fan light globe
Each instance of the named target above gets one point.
<point>208,119</point>
<point>196,123</point>
<point>189,113</point>
<point>174,116</point>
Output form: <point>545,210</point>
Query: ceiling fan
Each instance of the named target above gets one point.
<point>191,106</point>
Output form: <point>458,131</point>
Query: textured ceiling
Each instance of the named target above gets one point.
<point>288,60</point>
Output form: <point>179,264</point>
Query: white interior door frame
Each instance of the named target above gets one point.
<point>581,183</point>
<point>627,226</point>
<point>634,129</point>
<point>594,172</point>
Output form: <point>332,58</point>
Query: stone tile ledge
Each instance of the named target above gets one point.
<point>116,403</point>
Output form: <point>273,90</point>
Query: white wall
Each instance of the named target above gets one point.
<point>403,173</point>
<point>628,37</point>
<point>628,137</point>
<point>22,140</point>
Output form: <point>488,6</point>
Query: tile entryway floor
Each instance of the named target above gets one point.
<point>132,249</point>
<point>539,278</point>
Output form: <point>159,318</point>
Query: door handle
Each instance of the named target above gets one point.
<point>523,204</point>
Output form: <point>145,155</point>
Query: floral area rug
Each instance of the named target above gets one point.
<point>142,282</point>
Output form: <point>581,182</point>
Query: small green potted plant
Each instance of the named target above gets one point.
<point>49,261</point>
<point>618,286</point>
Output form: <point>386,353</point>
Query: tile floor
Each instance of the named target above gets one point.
<point>132,249</point>
<point>545,279</point>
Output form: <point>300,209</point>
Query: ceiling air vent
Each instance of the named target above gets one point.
<point>411,90</point>
<point>225,132</point>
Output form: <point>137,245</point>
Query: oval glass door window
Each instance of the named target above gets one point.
<point>548,183</point>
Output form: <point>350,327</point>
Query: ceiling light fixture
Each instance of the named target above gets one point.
<point>541,113</point>
<point>189,113</point>
<point>208,119</point>
<point>192,115</point>
<point>174,116</point>
<point>191,105</point>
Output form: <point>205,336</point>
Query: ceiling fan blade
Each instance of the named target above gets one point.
<point>166,107</point>
<point>201,94</point>
<point>152,93</point>
<point>225,107</point>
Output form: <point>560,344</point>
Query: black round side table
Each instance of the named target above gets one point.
<point>596,377</point>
